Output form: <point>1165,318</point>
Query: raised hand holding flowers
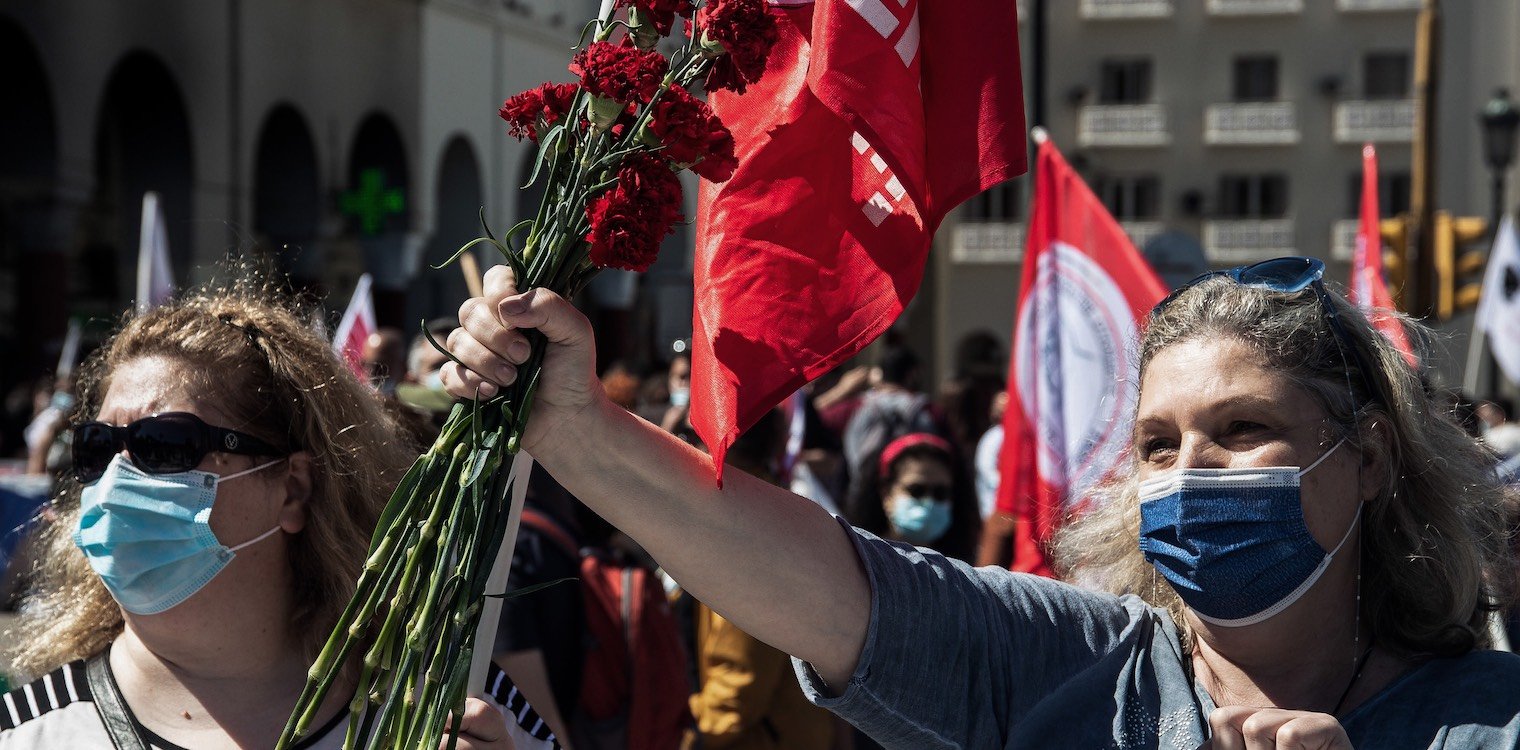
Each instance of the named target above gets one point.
<point>610,146</point>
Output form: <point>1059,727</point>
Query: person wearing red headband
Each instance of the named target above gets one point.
<point>917,492</point>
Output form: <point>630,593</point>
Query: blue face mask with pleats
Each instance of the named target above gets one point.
<point>149,536</point>
<point>1233,542</point>
<point>920,520</point>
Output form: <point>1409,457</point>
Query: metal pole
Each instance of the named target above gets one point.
<point>1419,280</point>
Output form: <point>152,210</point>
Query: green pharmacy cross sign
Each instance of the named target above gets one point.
<point>371,202</point>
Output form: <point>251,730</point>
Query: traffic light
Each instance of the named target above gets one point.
<point>1395,233</point>
<point>1458,267</point>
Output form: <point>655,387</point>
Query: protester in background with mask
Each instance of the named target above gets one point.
<point>1241,629</point>
<point>229,472</point>
<point>919,493</point>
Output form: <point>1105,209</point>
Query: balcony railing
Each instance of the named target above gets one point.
<point>1123,125</point>
<point>1381,121</point>
<point>1255,7</point>
<point>1106,9</point>
<point>987,242</point>
<point>1247,240</point>
<point>1141,232</point>
<point>1343,239</point>
<point>1374,6</point>
<point>1251,124</point>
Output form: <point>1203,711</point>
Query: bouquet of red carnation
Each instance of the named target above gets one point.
<point>609,147</point>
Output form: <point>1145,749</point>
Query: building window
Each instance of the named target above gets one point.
<point>1256,196</point>
<point>1393,194</point>
<point>1255,78</point>
<point>1385,75</point>
<point>1125,81</point>
<point>1136,198</point>
<point>1002,202</point>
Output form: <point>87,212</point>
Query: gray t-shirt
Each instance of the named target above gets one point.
<point>962,657</point>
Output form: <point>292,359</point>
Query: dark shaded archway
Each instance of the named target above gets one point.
<point>142,143</point>
<point>287,195</point>
<point>458,198</point>
<point>377,205</point>
<point>33,256</point>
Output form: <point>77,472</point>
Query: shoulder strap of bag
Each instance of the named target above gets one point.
<point>108,703</point>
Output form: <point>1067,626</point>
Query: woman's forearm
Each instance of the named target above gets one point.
<point>774,564</point>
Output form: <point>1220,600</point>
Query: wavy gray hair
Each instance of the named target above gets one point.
<point>1436,541</point>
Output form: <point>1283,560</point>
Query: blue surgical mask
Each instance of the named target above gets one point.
<point>1233,542</point>
<point>433,380</point>
<point>680,396</point>
<point>149,536</point>
<point>920,520</point>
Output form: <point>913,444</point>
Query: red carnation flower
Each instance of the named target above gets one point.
<point>629,220</point>
<point>692,135</point>
<point>619,72</point>
<point>661,13</point>
<point>747,31</point>
<point>537,110</point>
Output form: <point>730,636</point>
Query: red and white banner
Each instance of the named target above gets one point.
<point>354,329</point>
<point>1073,373</point>
<point>1369,290</point>
<point>872,120</point>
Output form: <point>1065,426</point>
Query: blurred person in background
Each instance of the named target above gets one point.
<point>227,474</point>
<point>747,697</point>
<point>966,399</point>
<point>1499,430</point>
<point>918,492</point>
<point>896,405</point>
<point>384,358</point>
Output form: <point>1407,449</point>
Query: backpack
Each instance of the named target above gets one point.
<point>634,686</point>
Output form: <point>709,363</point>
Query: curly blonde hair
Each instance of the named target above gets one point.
<point>262,353</point>
<point>1436,544</point>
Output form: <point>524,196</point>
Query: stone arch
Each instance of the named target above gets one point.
<point>458,197</point>
<point>287,194</point>
<point>142,143</point>
<point>377,206</point>
<point>32,226</point>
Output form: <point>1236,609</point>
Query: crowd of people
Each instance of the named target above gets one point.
<point>1313,546</point>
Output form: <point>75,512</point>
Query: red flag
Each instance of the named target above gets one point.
<point>1369,291</point>
<point>357,324</point>
<point>1073,372</point>
<point>873,119</point>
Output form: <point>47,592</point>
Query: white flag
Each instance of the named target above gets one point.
<point>357,324</point>
<point>155,283</point>
<point>1499,307</point>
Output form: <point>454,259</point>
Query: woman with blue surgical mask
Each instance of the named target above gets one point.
<point>1303,554</point>
<point>920,494</point>
<point>227,474</point>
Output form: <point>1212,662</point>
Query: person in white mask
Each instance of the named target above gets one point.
<point>1303,555</point>
<point>228,472</point>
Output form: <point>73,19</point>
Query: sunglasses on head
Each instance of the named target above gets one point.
<point>159,444</point>
<point>1288,276</point>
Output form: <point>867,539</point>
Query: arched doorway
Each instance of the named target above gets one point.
<point>456,215</point>
<point>142,143</point>
<point>34,300</point>
<point>287,196</point>
<point>377,205</point>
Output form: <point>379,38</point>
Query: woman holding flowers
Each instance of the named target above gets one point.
<point>1304,556</point>
<point>229,472</point>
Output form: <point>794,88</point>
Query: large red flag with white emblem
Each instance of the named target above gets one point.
<point>1073,373</point>
<point>873,119</point>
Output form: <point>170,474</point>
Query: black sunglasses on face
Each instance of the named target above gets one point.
<point>931,491</point>
<point>1291,275</point>
<point>159,444</point>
